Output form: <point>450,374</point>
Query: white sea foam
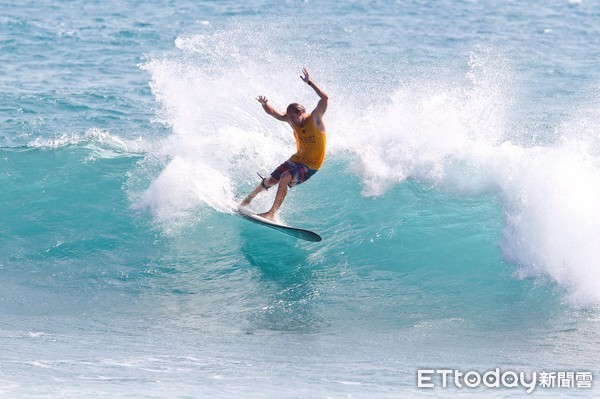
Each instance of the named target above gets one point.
<point>457,139</point>
<point>220,135</point>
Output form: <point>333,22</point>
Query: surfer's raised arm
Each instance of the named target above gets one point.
<point>270,110</point>
<point>321,107</point>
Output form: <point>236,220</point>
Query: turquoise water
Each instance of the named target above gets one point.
<point>458,201</point>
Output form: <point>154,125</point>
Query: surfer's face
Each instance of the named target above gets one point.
<point>295,116</point>
<point>295,113</point>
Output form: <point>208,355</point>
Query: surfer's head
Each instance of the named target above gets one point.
<point>295,112</point>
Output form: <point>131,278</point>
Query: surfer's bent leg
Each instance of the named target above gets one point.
<point>264,184</point>
<point>269,181</point>
<point>282,190</point>
<point>288,174</point>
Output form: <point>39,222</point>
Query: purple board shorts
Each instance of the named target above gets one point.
<point>299,172</point>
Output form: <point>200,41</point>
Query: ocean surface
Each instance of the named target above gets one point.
<point>459,203</point>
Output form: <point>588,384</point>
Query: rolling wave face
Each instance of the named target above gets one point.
<point>461,136</point>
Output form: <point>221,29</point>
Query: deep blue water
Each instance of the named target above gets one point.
<point>458,202</point>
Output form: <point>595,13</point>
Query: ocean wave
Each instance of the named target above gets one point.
<point>102,143</point>
<point>462,136</point>
<point>459,139</point>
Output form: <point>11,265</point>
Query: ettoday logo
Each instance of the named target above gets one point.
<point>429,378</point>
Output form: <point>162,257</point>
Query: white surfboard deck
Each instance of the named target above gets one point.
<point>291,231</point>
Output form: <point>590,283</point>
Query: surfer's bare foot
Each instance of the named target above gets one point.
<point>268,215</point>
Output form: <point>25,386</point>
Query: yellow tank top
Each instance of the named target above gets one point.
<point>311,144</point>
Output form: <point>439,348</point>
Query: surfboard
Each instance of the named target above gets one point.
<point>282,228</point>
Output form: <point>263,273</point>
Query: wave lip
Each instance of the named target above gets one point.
<point>551,202</point>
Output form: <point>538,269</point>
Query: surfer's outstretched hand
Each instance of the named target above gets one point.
<point>306,77</point>
<point>262,99</point>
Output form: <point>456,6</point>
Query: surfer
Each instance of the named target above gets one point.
<point>311,140</point>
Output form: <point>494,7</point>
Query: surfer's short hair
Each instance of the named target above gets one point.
<point>296,108</point>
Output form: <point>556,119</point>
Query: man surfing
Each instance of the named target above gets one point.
<point>311,142</point>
